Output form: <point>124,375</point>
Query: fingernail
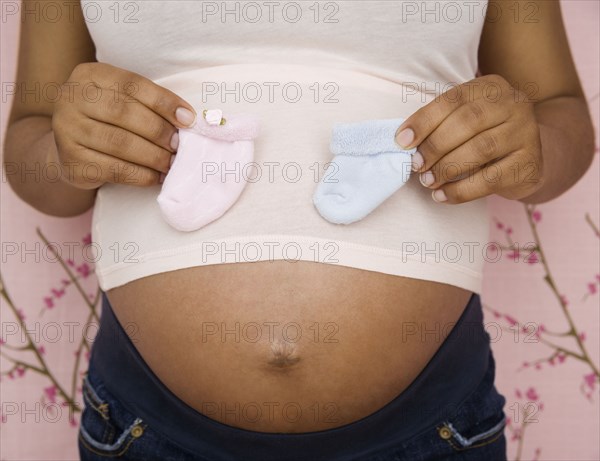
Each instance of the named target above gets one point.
<point>175,141</point>
<point>427,178</point>
<point>405,137</point>
<point>184,116</point>
<point>439,195</point>
<point>172,160</point>
<point>161,178</point>
<point>417,161</point>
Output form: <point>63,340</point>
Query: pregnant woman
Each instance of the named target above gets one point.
<point>271,333</point>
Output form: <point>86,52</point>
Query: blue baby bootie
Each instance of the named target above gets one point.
<point>367,168</point>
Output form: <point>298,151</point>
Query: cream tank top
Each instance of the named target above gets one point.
<point>300,67</point>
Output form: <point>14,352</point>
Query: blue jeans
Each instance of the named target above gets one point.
<point>451,411</point>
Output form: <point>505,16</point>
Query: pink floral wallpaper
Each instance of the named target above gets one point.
<point>541,301</point>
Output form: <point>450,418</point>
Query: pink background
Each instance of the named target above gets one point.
<point>562,392</point>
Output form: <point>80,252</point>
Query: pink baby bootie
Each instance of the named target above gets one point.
<point>210,169</point>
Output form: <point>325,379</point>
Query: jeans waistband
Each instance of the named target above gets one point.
<point>455,370</point>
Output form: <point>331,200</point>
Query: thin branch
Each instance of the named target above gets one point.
<point>18,363</point>
<point>31,345</point>
<point>592,225</point>
<point>550,281</point>
<point>69,273</point>
<point>554,346</point>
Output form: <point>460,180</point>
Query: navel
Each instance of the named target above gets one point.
<point>283,355</point>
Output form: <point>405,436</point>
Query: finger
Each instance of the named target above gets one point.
<point>495,177</point>
<point>471,156</point>
<point>155,97</point>
<point>458,128</point>
<point>425,120</point>
<point>125,145</point>
<point>89,169</point>
<point>133,117</point>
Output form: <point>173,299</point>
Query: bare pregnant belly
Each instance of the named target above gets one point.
<point>281,346</point>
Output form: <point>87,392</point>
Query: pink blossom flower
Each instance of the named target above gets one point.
<point>540,329</point>
<point>564,300</point>
<point>58,293</point>
<point>87,239</point>
<point>592,289</point>
<point>516,434</point>
<point>582,336</point>
<point>50,393</point>
<point>598,277</point>
<point>538,366</point>
<point>65,282</point>
<point>561,358</point>
<point>84,270</point>
<point>532,258</point>
<point>70,262</point>
<point>20,371</point>
<point>518,393</point>
<point>499,225</point>
<point>509,230</point>
<point>531,394</point>
<point>551,361</point>
<point>42,350</point>
<point>537,216</point>
<point>590,380</point>
<point>525,364</point>
<point>49,302</point>
<point>514,255</point>
<point>21,314</point>
<point>2,340</point>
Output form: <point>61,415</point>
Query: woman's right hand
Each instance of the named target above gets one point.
<point>112,125</point>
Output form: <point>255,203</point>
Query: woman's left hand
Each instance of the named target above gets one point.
<point>477,139</point>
